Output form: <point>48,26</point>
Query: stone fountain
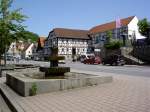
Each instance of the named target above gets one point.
<point>54,69</point>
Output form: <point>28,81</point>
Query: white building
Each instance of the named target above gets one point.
<point>68,41</point>
<point>15,49</point>
<point>28,51</point>
<point>12,49</point>
<point>133,28</point>
<point>127,30</point>
<point>71,41</point>
<point>21,50</point>
<point>35,55</point>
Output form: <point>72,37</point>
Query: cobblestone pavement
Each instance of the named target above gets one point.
<point>124,94</point>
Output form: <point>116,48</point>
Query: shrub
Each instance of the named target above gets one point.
<point>113,45</point>
<point>33,89</point>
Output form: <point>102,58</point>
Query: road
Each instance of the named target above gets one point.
<point>132,70</point>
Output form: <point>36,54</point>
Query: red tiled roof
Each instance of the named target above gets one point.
<point>26,46</point>
<point>18,45</point>
<point>71,33</point>
<point>110,26</point>
<point>42,40</point>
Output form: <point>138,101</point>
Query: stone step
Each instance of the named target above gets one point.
<point>3,105</point>
<point>133,59</point>
<point>10,96</point>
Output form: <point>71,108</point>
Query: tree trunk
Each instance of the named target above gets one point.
<point>5,56</point>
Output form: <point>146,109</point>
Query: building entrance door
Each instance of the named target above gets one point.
<point>73,54</point>
<point>73,51</point>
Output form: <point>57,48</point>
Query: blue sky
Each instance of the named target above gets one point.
<point>44,15</point>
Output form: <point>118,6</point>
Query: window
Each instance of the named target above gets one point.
<point>62,40</point>
<point>62,49</point>
<point>96,40</point>
<point>103,38</point>
<point>75,41</point>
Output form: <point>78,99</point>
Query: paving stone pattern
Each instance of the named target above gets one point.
<point>124,94</point>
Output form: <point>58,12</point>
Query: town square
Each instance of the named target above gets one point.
<point>74,56</point>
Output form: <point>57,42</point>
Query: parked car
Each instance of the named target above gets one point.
<point>98,60</point>
<point>113,60</point>
<point>86,56</point>
<point>82,58</point>
<point>92,60</point>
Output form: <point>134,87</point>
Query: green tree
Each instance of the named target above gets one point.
<point>27,35</point>
<point>143,27</point>
<point>111,43</point>
<point>108,37</point>
<point>10,22</point>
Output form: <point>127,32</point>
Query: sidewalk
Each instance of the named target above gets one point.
<point>124,94</point>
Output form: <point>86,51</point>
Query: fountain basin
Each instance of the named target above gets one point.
<point>22,83</point>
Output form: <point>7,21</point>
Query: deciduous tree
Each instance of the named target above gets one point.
<point>144,29</point>
<point>10,25</point>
